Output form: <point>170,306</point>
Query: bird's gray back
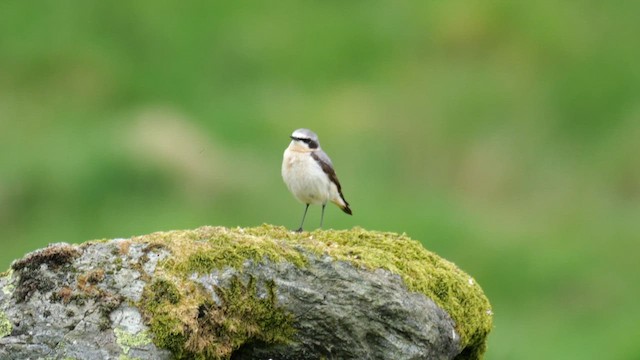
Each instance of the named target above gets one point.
<point>324,157</point>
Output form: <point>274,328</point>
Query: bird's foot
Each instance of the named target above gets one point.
<point>298,230</point>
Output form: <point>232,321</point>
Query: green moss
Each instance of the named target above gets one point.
<point>174,311</point>
<point>186,321</point>
<point>5,325</point>
<point>162,291</point>
<point>127,340</point>
<point>207,249</point>
<point>166,315</point>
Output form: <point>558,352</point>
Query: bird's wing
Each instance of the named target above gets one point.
<point>325,163</point>
<point>322,156</point>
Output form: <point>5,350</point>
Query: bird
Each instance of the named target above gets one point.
<point>308,173</point>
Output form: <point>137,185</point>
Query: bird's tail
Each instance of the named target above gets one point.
<point>343,204</point>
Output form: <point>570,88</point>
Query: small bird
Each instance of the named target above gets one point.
<point>309,175</point>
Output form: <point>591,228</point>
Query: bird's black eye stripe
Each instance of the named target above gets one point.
<point>312,144</point>
<point>302,139</point>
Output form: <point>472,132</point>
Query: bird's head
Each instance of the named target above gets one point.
<point>304,139</point>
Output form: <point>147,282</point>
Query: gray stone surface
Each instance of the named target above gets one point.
<point>347,313</point>
<point>79,302</point>
<point>67,302</point>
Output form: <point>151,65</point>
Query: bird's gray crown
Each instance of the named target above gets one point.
<point>305,134</point>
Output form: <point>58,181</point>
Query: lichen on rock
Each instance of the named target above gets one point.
<point>127,340</point>
<point>5,325</point>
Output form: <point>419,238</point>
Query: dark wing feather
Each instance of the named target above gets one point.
<point>327,167</point>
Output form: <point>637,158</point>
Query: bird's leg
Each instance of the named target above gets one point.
<point>322,216</point>
<point>303,216</point>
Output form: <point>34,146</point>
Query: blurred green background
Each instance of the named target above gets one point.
<point>503,135</point>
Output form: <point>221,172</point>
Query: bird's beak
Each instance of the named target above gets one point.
<point>292,138</point>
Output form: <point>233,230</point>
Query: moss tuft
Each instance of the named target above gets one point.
<point>186,321</point>
<point>179,326</point>
<point>6,273</point>
<point>54,256</point>
<point>163,290</point>
<point>166,310</point>
<point>29,275</point>
<point>30,281</point>
<point>210,248</point>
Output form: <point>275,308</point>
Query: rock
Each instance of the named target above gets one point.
<point>253,293</point>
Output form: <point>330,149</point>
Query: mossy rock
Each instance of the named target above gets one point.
<point>241,252</point>
<point>242,293</point>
